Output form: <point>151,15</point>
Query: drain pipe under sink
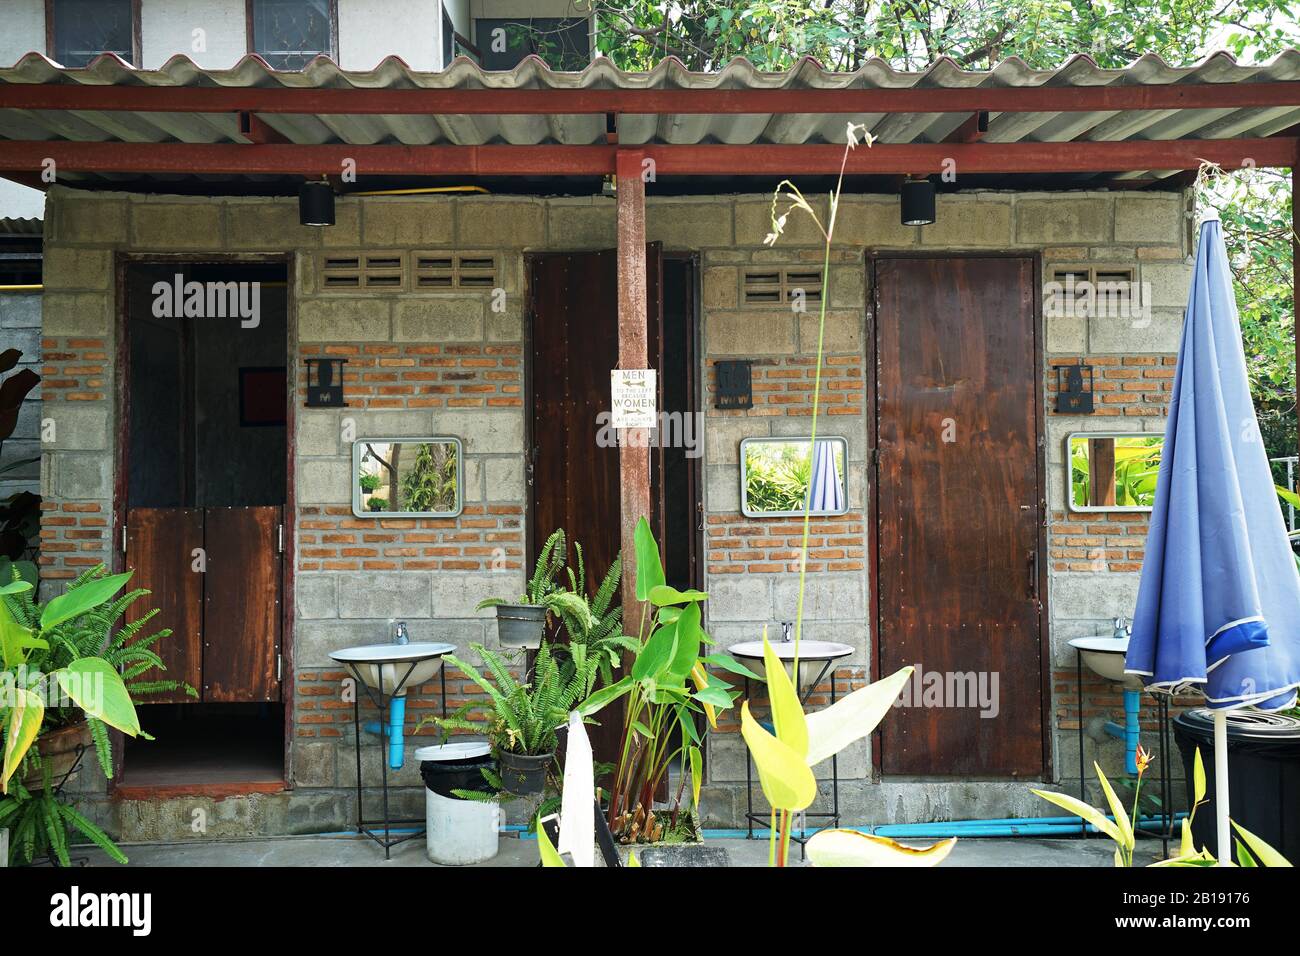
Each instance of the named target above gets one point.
<point>1130,731</point>
<point>396,731</point>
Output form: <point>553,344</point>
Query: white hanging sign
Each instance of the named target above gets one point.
<point>633,398</point>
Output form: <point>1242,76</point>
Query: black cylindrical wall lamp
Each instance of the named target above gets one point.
<point>917,202</point>
<point>316,204</point>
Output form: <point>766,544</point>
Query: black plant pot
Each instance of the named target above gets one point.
<point>521,625</point>
<point>524,774</point>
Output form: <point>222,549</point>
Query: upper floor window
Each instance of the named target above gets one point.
<point>563,42</point>
<point>288,34</point>
<point>77,31</point>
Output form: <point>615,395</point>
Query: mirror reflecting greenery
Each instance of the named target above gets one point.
<point>411,477</point>
<point>1113,472</point>
<point>778,476</point>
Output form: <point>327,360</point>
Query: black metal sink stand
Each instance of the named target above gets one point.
<point>833,816</point>
<point>381,700</point>
<point>1166,760</point>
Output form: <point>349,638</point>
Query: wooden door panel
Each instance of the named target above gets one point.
<point>957,507</point>
<point>575,481</point>
<point>160,549</point>
<point>242,604</point>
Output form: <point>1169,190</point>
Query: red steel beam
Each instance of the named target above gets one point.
<point>1035,99</point>
<point>758,160</point>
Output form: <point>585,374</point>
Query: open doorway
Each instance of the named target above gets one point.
<point>205,413</point>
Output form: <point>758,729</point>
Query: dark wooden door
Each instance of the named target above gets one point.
<point>573,476</point>
<point>162,546</point>
<point>957,510</point>
<point>242,604</point>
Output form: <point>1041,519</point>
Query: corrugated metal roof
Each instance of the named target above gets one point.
<point>532,73</point>
<point>20,227</point>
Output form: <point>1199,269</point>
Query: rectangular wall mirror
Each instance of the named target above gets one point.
<point>1113,471</point>
<point>407,477</point>
<point>778,476</point>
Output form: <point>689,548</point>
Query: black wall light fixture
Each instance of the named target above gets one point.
<point>316,204</point>
<point>735,385</point>
<point>917,202</point>
<point>325,383</point>
<point>1071,394</point>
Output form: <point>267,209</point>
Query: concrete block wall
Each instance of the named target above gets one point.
<point>20,328</point>
<point>447,363</point>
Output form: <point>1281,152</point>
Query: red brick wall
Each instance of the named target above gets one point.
<point>426,376</point>
<point>739,545</point>
<point>74,535</point>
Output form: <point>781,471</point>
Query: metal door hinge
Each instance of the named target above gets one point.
<point>279,666</point>
<point>124,539</point>
<point>279,539</point>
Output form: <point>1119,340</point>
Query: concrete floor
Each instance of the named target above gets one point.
<point>354,851</point>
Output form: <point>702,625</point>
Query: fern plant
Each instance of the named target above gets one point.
<point>520,717</point>
<point>39,821</point>
<point>601,632</point>
<point>544,588</point>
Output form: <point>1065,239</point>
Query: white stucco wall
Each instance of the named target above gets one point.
<point>370,30</point>
<point>22,29</point>
<point>167,29</point>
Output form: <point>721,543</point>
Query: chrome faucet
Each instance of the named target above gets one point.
<point>400,635</point>
<point>787,630</point>
<point>1121,628</point>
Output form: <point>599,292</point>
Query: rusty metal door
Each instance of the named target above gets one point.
<point>162,545</point>
<point>958,515</point>
<point>241,604</point>
<point>216,576</point>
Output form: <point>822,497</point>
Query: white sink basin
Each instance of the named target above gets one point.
<point>813,656</point>
<point>390,663</point>
<point>1105,657</point>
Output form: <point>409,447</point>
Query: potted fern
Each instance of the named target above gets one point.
<point>520,718</point>
<point>523,623</point>
<point>69,676</point>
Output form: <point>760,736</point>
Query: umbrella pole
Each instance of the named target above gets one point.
<point>1221,786</point>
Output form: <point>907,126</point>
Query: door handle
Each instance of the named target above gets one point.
<point>1032,561</point>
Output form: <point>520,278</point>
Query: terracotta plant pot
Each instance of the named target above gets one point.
<point>521,625</point>
<point>59,750</point>
<point>524,774</point>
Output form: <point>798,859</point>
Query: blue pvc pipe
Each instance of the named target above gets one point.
<point>1131,730</point>
<point>396,734</point>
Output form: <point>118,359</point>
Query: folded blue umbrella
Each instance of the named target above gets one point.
<point>1218,608</point>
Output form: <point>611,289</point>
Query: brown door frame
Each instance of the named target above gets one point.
<point>122,261</point>
<point>873,474</point>
<point>696,389</point>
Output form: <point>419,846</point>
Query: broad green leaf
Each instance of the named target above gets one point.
<point>665,595</point>
<point>1198,778</point>
<point>1080,809</point>
<point>851,718</point>
<point>97,689</point>
<point>728,663</point>
<point>547,849</point>
<point>788,782</point>
<point>1244,859</point>
<point>75,603</point>
<point>606,695</point>
<point>15,587</point>
<point>687,651</point>
<point>1122,822</point>
<point>15,640</point>
<point>649,569</point>
<point>713,695</point>
<point>787,714</point>
<point>700,677</point>
<point>24,724</point>
<point>697,775</point>
<point>1266,854</point>
<point>851,848</point>
<point>1186,846</point>
<point>669,614</point>
<point>657,653</point>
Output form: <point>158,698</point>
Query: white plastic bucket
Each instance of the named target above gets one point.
<point>460,832</point>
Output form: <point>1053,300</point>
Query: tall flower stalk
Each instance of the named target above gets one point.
<point>789,196</point>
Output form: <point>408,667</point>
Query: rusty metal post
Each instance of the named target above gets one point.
<point>633,352</point>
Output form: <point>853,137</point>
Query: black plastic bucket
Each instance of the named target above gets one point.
<point>1263,775</point>
<point>456,766</point>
